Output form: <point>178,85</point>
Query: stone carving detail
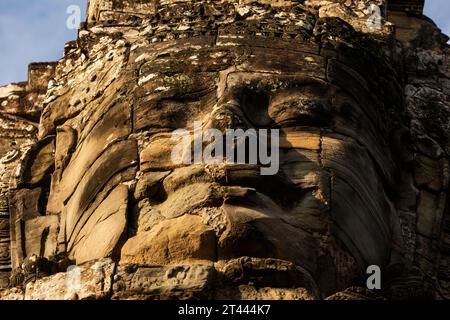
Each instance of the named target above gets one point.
<point>364,146</point>
<point>5,255</point>
<point>19,117</point>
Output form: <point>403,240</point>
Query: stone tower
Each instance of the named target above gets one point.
<point>358,91</point>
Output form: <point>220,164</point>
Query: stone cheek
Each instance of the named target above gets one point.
<point>359,203</point>
<point>172,241</point>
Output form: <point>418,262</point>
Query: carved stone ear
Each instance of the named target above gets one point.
<point>38,163</point>
<point>402,145</point>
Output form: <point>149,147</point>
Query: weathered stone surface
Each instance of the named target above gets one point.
<point>158,282</point>
<point>148,184</point>
<point>268,273</point>
<point>38,162</point>
<point>115,159</point>
<point>362,104</point>
<point>431,174</point>
<point>94,147</point>
<point>12,294</point>
<point>360,205</point>
<point>355,293</point>
<point>429,213</point>
<point>429,147</point>
<point>24,203</point>
<point>253,293</point>
<point>157,154</point>
<point>408,195</point>
<point>300,140</point>
<point>41,236</point>
<point>102,234</point>
<point>85,282</point>
<point>262,232</point>
<point>172,241</point>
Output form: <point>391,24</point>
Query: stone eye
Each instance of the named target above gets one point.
<point>300,112</point>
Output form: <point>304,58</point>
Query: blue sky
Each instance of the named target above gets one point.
<point>439,11</point>
<point>32,31</point>
<point>35,31</point>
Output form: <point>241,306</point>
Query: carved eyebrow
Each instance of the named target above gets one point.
<point>314,88</point>
<point>264,79</point>
<point>312,95</point>
<point>296,101</point>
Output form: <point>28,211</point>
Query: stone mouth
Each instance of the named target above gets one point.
<point>278,186</point>
<point>266,272</point>
<point>246,177</point>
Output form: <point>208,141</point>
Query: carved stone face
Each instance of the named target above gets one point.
<point>328,192</point>
<point>350,190</point>
<point>118,193</point>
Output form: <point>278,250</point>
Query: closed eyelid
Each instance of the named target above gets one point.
<point>298,104</point>
<point>300,111</point>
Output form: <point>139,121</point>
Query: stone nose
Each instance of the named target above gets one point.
<point>227,115</point>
